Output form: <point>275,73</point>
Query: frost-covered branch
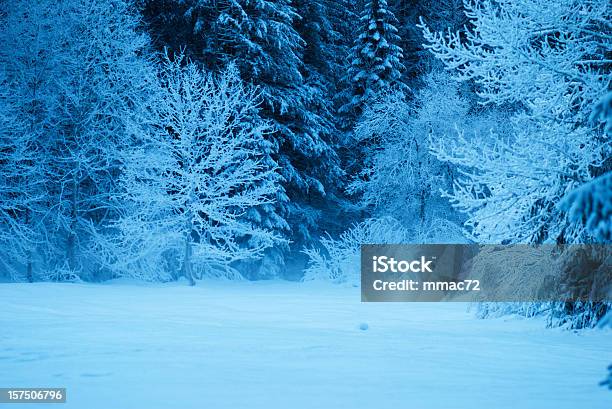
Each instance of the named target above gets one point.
<point>540,61</point>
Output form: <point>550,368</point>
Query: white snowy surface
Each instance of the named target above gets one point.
<point>285,345</point>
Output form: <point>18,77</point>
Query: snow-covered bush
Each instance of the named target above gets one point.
<point>606,322</point>
<point>60,273</point>
<point>511,269</point>
<point>585,274</point>
<point>338,260</point>
<point>187,183</point>
<point>582,275</point>
<point>576,314</point>
<point>500,309</point>
<point>437,230</point>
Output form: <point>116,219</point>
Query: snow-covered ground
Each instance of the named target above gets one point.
<point>286,345</point>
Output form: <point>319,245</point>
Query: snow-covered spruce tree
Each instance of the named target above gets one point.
<point>547,60</point>
<point>374,67</point>
<point>325,28</point>
<point>187,185</point>
<point>591,206</point>
<point>261,39</point>
<point>374,62</point>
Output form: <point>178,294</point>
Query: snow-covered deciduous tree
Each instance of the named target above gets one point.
<point>104,82</point>
<point>188,183</point>
<point>76,72</point>
<point>509,184</point>
<point>26,97</point>
<point>548,56</point>
<point>548,62</point>
<point>261,38</point>
<point>399,173</point>
<point>401,176</point>
<point>374,62</point>
<point>21,192</point>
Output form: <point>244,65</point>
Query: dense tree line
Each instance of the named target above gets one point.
<point>170,138</point>
<point>83,83</point>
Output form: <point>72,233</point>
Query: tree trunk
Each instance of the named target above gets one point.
<point>422,204</point>
<point>71,240</point>
<point>187,270</point>
<point>29,273</point>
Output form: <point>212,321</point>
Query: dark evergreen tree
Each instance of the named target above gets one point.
<point>325,26</point>
<point>441,14</point>
<point>375,60</point>
<point>591,206</point>
<point>374,67</point>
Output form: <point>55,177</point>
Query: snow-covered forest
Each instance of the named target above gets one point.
<point>268,139</point>
<point>165,141</point>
